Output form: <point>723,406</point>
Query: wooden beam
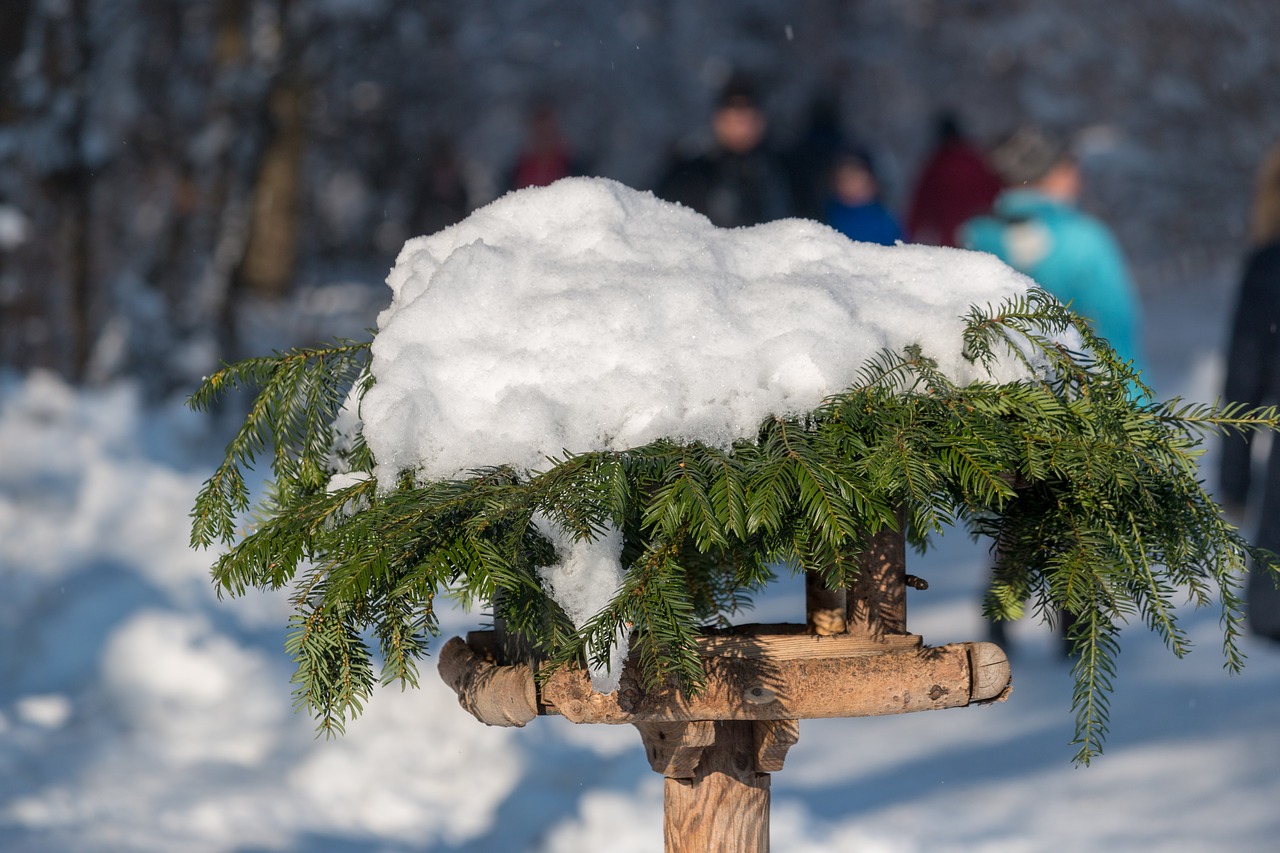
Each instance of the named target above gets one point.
<point>493,694</point>
<point>893,682</point>
<point>793,646</point>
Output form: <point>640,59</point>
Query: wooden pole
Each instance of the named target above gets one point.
<point>878,599</point>
<point>897,681</point>
<point>824,607</point>
<point>724,807</point>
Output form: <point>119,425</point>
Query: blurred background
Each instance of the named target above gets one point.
<point>171,171</point>
<point>183,183</point>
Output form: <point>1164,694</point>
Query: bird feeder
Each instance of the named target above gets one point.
<point>852,658</point>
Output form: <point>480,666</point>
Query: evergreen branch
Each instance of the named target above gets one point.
<point>297,400</point>
<point>1095,647</point>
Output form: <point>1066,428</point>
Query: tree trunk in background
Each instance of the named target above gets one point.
<point>70,186</point>
<point>269,259</point>
<point>14,15</point>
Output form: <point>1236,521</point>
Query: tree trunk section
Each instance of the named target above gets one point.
<point>724,808</point>
<point>270,255</point>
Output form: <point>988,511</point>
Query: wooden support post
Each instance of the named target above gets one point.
<point>824,607</point>
<point>878,599</point>
<point>724,807</point>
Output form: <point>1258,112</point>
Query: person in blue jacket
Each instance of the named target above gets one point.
<point>853,206</point>
<point>1036,228</point>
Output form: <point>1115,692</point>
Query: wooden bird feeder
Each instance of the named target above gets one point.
<point>852,658</point>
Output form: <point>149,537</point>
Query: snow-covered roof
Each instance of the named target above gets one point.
<point>589,316</point>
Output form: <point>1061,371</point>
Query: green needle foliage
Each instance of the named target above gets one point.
<point>1087,488</point>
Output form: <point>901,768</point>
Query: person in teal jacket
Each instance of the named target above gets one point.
<point>1036,228</point>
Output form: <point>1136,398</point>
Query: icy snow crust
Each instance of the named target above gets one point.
<point>591,316</point>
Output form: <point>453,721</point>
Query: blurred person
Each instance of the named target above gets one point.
<point>1036,228</point>
<point>443,198</point>
<point>1253,378</point>
<point>808,161</point>
<point>955,184</point>
<point>546,156</point>
<point>738,181</point>
<point>853,204</point>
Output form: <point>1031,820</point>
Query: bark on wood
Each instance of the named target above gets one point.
<point>724,808</point>
<point>775,689</point>
<point>493,694</point>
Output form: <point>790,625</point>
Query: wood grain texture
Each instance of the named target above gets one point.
<point>773,740</point>
<point>892,682</point>
<point>724,808</point>
<point>675,749</point>
<point>877,600</point>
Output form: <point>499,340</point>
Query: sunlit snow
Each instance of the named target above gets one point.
<point>591,316</point>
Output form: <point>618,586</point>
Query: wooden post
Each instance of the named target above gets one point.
<point>724,807</point>
<point>878,599</point>
<point>824,607</point>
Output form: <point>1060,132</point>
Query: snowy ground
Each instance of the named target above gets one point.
<point>139,713</point>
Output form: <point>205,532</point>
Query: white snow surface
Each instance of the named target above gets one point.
<point>591,316</point>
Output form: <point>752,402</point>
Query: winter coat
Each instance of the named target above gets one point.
<point>542,168</point>
<point>867,223</point>
<point>1068,253</point>
<point>955,185</point>
<point>731,190</point>
<point>1253,362</point>
<point>1253,378</point>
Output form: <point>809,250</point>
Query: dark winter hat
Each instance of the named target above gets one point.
<point>854,155</point>
<point>740,91</point>
<point>1027,155</point>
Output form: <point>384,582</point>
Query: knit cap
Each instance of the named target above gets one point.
<point>1027,155</point>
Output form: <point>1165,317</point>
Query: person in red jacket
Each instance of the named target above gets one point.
<point>546,156</point>
<point>955,185</point>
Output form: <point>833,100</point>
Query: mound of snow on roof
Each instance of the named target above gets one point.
<point>591,316</point>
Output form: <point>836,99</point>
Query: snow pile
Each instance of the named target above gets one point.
<point>590,316</point>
